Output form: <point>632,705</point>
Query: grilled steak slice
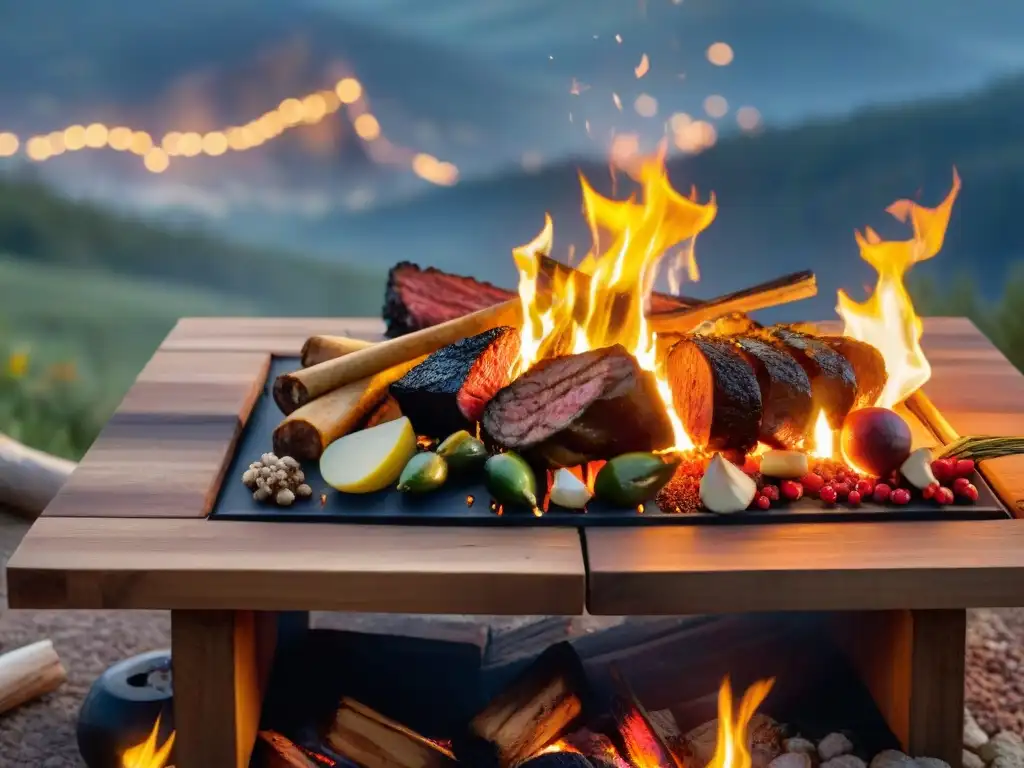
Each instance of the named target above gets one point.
<point>868,366</point>
<point>833,382</point>
<point>448,391</point>
<point>715,393</point>
<point>579,408</point>
<point>785,392</point>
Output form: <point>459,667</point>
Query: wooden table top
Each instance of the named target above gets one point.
<point>130,528</point>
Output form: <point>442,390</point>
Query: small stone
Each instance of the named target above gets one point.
<point>891,758</point>
<point>834,745</point>
<point>285,498</point>
<point>1004,750</point>
<point>844,761</point>
<point>791,760</point>
<point>800,744</point>
<point>974,736</point>
<point>971,760</point>
<point>930,762</point>
<point>303,491</point>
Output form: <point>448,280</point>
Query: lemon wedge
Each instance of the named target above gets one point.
<point>369,460</point>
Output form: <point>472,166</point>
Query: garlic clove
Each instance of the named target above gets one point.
<point>784,464</point>
<point>917,468</point>
<point>725,488</point>
<point>569,491</point>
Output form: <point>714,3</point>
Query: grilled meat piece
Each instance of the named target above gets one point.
<point>579,408</point>
<point>448,391</point>
<point>868,366</point>
<point>785,392</point>
<point>715,393</point>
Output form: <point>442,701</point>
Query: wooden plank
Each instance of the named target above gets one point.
<point>840,566</point>
<point>190,564</point>
<point>217,694</point>
<point>274,335</point>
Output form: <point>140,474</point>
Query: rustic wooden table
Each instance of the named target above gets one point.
<point>130,531</point>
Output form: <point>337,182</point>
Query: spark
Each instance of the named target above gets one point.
<point>617,101</point>
<point>643,67</point>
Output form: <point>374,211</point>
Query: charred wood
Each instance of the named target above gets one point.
<point>371,740</point>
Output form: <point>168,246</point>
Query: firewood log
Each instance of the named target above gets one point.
<point>28,673</point>
<point>279,752</point>
<point>320,348</point>
<point>543,704</point>
<point>29,479</point>
<point>641,742</point>
<point>371,740</point>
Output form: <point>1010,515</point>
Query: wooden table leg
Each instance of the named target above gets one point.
<point>221,665</point>
<point>913,662</point>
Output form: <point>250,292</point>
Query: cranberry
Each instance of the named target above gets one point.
<point>853,499</point>
<point>959,484</point>
<point>842,489</point>
<point>828,494</point>
<point>942,469</point>
<point>791,490</point>
<point>929,490</point>
<point>901,496</point>
<point>771,492</point>
<point>970,493</point>
<point>944,496</point>
<point>963,467</point>
<point>865,487</point>
<point>763,502</point>
<point>812,483</point>
<point>881,493</point>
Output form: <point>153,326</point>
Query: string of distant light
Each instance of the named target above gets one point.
<point>290,113</point>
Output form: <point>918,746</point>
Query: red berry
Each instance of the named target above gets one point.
<point>900,496</point>
<point>812,483</point>
<point>853,499</point>
<point>841,477</point>
<point>944,496</point>
<point>771,492</point>
<point>963,468</point>
<point>763,502</point>
<point>828,494</point>
<point>970,493</point>
<point>942,469</point>
<point>842,489</point>
<point>959,484</point>
<point>929,490</point>
<point>791,490</point>
<point>881,493</point>
<point>865,487</point>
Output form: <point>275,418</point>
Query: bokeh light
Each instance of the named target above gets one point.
<point>716,106</point>
<point>646,105</point>
<point>748,118</point>
<point>720,54</point>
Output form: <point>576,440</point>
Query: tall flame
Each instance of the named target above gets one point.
<point>887,320</point>
<point>581,313</point>
<point>732,749</point>
<point>147,754</point>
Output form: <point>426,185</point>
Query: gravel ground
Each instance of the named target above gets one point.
<point>42,734</point>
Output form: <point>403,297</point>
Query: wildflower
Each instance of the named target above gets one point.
<point>17,364</point>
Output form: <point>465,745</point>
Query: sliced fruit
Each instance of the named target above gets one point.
<point>569,491</point>
<point>369,460</point>
<point>917,469</point>
<point>426,471</point>
<point>510,480</point>
<point>633,478</point>
<point>725,488</point>
<point>463,452</point>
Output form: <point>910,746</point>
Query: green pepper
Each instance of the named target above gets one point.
<point>510,480</point>
<point>463,452</point>
<point>633,478</point>
<point>425,471</point>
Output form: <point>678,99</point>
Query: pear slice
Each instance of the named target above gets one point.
<point>725,488</point>
<point>369,460</point>
<point>917,468</point>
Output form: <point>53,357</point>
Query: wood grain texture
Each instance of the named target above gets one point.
<point>842,566</point>
<point>282,336</point>
<point>217,696</point>
<point>190,564</point>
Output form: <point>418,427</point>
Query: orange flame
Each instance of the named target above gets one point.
<point>577,317</point>
<point>887,320</point>
<point>823,437</point>
<point>147,754</point>
<point>733,746</point>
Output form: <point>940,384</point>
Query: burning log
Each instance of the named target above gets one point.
<point>558,759</point>
<point>544,703</point>
<point>571,410</point>
<point>28,673</point>
<point>320,348</point>
<point>640,742</point>
<point>280,752</point>
<point>305,432</point>
<point>371,740</point>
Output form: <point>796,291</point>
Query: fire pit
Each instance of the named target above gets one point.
<point>140,524</point>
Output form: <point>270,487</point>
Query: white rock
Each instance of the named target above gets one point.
<point>791,760</point>
<point>930,762</point>
<point>800,744</point>
<point>971,760</point>
<point>891,758</point>
<point>844,761</point>
<point>834,745</point>
<point>974,736</point>
<point>1004,750</point>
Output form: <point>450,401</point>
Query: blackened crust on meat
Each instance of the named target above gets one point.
<point>579,408</point>
<point>785,393</point>
<point>418,298</point>
<point>833,382</point>
<point>868,366</point>
<point>715,392</point>
<point>459,374</point>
